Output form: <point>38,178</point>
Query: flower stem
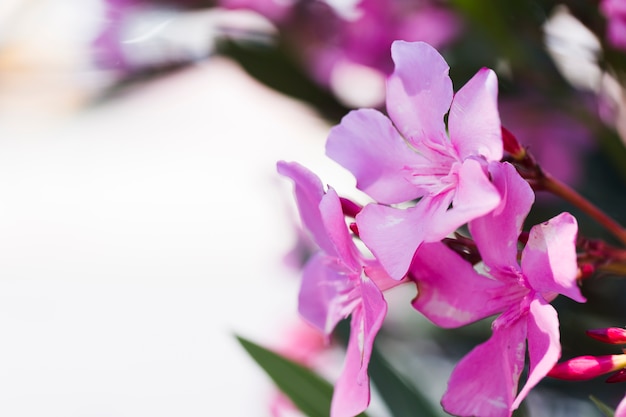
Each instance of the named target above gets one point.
<point>558,188</point>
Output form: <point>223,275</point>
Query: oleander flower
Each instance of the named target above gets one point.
<point>452,293</point>
<point>338,282</point>
<point>413,154</point>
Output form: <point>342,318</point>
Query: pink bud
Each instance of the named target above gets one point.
<point>613,335</point>
<point>586,270</point>
<point>587,367</point>
<point>349,207</point>
<point>511,145</point>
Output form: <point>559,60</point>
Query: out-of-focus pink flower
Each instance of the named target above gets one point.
<point>333,37</point>
<point>148,35</point>
<point>330,38</point>
<point>556,140</point>
<point>337,282</point>
<point>301,343</point>
<point>452,293</point>
<point>615,12</point>
<point>413,155</point>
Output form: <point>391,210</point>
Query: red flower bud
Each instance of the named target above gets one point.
<point>354,228</point>
<point>619,376</point>
<point>511,145</point>
<point>349,207</point>
<point>613,335</point>
<point>587,367</point>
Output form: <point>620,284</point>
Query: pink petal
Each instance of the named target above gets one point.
<point>475,196</point>
<point>394,234</point>
<point>474,121</point>
<point>337,231</point>
<point>451,293</point>
<point>323,299</point>
<point>419,92</point>
<point>544,348</point>
<point>309,192</point>
<point>369,146</point>
<point>352,389</point>
<point>496,233</point>
<point>484,382</point>
<point>549,258</point>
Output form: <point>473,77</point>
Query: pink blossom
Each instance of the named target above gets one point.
<point>615,12</point>
<point>410,155</point>
<point>337,282</point>
<point>452,293</point>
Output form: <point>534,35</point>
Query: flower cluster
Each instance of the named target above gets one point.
<point>427,178</point>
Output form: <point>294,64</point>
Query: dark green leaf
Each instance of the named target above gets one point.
<point>309,392</point>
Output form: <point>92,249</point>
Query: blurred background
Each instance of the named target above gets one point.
<point>142,224</point>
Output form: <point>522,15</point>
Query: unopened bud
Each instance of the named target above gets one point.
<point>511,145</point>
<point>349,207</point>
<point>586,270</point>
<point>613,335</point>
<point>619,376</point>
<point>587,367</point>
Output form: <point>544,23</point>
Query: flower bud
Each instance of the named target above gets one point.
<point>613,335</point>
<point>349,207</point>
<point>354,228</point>
<point>619,376</point>
<point>587,367</point>
<point>512,146</point>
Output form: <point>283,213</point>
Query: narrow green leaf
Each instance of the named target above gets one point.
<point>605,409</point>
<point>309,392</point>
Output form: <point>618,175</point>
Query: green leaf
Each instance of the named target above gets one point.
<point>605,409</point>
<point>309,392</point>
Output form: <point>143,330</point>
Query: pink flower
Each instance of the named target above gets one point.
<point>452,293</point>
<point>410,155</point>
<point>337,282</point>
<point>615,12</point>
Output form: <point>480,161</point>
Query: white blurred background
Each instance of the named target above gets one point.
<point>138,236</point>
